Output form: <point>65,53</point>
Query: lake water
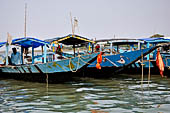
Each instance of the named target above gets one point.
<point>123,94</point>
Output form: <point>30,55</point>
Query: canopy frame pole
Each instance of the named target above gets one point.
<point>148,54</point>
<point>7,50</point>
<point>92,47</point>
<point>22,55</point>
<point>45,53</point>
<point>32,54</point>
<point>89,47</point>
<point>42,51</point>
<point>74,50</point>
<point>139,46</point>
<point>111,48</point>
<point>117,48</point>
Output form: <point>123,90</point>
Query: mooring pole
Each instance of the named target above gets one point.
<point>142,73</point>
<point>149,73</point>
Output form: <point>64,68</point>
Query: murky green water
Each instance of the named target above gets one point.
<point>120,95</point>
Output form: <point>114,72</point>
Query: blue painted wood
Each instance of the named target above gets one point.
<point>33,68</point>
<point>66,65</point>
<point>166,60</point>
<point>25,69</point>
<point>121,59</point>
<point>154,42</point>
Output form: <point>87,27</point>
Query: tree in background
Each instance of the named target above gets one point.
<point>157,35</point>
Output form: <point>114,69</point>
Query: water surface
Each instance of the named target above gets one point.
<point>122,94</point>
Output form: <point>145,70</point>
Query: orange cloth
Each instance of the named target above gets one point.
<point>99,60</point>
<point>160,63</point>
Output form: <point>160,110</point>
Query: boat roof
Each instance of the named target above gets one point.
<point>118,41</point>
<point>125,41</point>
<point>70,40</point>
<point>156,40</point>
<point>29,42</point>
<point>2,44</point>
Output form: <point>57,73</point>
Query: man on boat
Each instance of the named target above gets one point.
<point>97,48</point>
<point>15,57</point>
<point>59,51</point>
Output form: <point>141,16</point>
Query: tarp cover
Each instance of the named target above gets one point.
<point>2,44</point>
<point>155,40</point>
<point>150,39</point>
<point>27,42</point>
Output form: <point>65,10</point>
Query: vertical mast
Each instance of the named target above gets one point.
<point>72,24</point>
<point>25,25</point>
<point>25,32</point>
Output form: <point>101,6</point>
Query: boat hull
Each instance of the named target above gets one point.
<point>56,71</point>
<point>136,68</point>
<point>112,65</point>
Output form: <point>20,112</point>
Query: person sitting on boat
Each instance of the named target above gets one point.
<point>97,48</point>
<point>59,51</point>
<point>15,57</point>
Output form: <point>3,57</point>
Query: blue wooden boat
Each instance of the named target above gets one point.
<point>165,53</point>
<point>57,70</point>
<point>114,63</point>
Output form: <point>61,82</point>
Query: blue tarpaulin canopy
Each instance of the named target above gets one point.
<point>2,44</point>
<point>155,40</point>
<point>27,42</point>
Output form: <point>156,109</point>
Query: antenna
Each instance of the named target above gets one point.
<point>25,25</point>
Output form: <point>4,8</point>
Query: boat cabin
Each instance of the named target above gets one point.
<point>116,46</point>
<point>70,42</point>
<point>24,44</point>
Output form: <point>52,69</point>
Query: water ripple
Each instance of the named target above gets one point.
<point>86,95</point>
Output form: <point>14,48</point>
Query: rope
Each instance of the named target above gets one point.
<point>86,62</point>
<point>84,58</point>
<point>111,62</point>
<point>77,64</point>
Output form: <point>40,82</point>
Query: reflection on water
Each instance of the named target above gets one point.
<point>122,94</point>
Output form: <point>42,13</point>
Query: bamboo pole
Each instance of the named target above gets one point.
<point>25,34</point>
<point>142,72</point>
<point>149,75</point>
<point>25,25</point>
<point>72,24</point>
<point>142,80</point>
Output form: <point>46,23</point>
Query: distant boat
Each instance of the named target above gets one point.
<point>57,70</point>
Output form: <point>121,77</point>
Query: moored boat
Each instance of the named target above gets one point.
<point>55,70</point>
<point>114,62</point>
<point>150,59</point>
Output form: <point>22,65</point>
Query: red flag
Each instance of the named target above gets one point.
<point>160,63</point>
